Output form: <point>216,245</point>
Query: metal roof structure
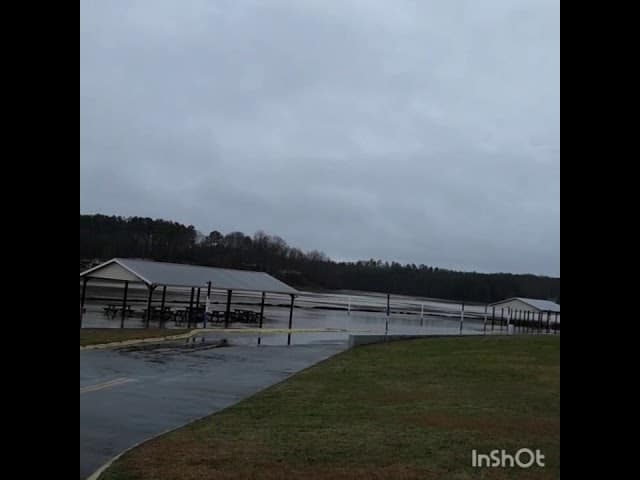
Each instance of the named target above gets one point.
<point>542,305</point>
<point>180,275</point>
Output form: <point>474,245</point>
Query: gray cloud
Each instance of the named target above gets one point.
<point>421,132</point>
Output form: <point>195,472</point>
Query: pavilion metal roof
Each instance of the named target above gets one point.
<point>182,275</point>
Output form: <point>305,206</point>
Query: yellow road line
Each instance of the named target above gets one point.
<point>101,386</point>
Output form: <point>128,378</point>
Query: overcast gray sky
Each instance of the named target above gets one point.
<point>415,131</point>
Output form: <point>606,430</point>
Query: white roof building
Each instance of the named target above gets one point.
<point>528,304</point>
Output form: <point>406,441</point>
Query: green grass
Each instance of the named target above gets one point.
<point>95,336</point>
<point>407,410</point>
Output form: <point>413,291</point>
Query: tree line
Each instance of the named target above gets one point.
<point>103,237</point>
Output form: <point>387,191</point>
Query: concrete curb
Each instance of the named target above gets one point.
<point>265,331</point>
<point>136,341</point>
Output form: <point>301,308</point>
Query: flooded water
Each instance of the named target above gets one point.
<point>336,314</point>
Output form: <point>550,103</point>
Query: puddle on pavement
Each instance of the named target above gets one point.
<point>193,344</point>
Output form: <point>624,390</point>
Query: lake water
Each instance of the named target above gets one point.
<point>326,311</point>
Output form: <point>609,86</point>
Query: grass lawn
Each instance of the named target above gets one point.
<point>406,410</point>
<point>94,336</point>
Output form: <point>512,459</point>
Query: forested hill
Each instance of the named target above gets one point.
<point>103,237</point>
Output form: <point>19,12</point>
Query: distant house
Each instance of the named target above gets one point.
<point>527,305</point>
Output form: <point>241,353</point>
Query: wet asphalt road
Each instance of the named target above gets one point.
<point>133,393</point>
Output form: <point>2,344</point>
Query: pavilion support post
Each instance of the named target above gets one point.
<point>548,320</point>
<point>484,324</point>
<point>261,312</point>
<point>149,298</point>
<point>207,305</point>
<point>189,313</point>
<point>493,316</point>
<point>164,296</point>
<point>82,297</point>
<point>540,321</point>
<point>532,326</point>
<point>290,319</point>
<point>262,308</point>
<point>532,322</point>
<point>512,320</point>
<point>523,319</point>
<point>197,307</point>
<point>227,313</point>
<point>386,322</point>
<point>124,303</point>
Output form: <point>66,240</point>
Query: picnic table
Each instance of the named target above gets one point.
<point>216,316</point>
<point>182,315</point>
<point>113,310</point>
<point>159,313</point>
<point>248,316</point>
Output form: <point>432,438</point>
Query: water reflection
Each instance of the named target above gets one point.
<point>313,312</point>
